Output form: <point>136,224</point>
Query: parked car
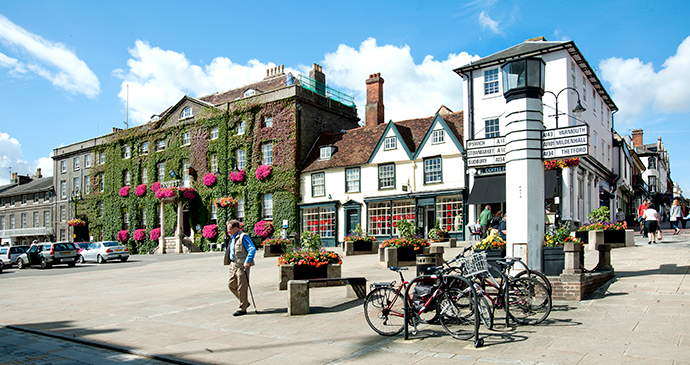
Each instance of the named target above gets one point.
<point>48,254</point>
<point>2,267</point>
<point>101,252</point>
<point>10,254</point>
<point>81,246</point>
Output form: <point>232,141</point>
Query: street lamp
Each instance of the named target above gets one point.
<point>578,110</point>
<point>226,175</point>
<point>76,198</point>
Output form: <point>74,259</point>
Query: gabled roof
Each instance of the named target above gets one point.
<point>356,146</point>
<point>182,101</point>
<point>534,48</point>
<point>35,186</point>
<point>268,84</point>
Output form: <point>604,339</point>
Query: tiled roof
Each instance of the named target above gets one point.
<point>525,48</point>
<point>267,84</point>
<point>355,146</point>
<point>35,186</point>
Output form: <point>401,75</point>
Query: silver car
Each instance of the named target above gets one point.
<point>102,252</point>
<point>10,254</point>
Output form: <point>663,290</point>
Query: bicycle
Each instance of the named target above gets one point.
<point>526,300</point>
<point>384,306</point>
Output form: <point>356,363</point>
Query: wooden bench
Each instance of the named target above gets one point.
<point>298,291</point>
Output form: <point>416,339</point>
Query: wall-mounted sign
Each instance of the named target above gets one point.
<point>565,142</point>
<point>486,152</point>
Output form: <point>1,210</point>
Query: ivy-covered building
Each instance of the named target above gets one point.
<point>268,126</point>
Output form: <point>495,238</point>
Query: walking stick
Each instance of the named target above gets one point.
<point>246,275</point>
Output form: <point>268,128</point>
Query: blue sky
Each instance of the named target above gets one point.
<point>64,65</point>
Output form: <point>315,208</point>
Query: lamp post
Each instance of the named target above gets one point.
<point>578,110</point>
<point>75,198</point>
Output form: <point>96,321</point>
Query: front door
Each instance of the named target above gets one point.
<point>352,221</point>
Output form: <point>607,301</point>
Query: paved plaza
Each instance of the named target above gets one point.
<point>178,308</point>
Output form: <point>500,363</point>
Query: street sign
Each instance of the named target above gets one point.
<point>580,130</point>
<point>565,152</point>
<point>486,151</point>
<point>565,142</point>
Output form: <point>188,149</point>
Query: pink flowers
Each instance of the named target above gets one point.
<point>123,235</point>
<point>124,191</point>
<point>155,186</point>
<point>209,179</point>
<point>264,228</point>
<point>140,235</point>
<point>237,176</point>
<point>188,193</point>
<point>263,171</point>
<point>140,190</point>
<point>210,231</point>
<point>155,234</point>
<point>163,193</point>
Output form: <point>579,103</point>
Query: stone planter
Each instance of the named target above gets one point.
<point>273,250</point>
<point>304,272</point>
<point>553,261</point>
<point>615,238</point>
<point>402,256</point>
<point>360,247</point>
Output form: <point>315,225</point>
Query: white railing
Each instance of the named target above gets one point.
<point>18,232</point>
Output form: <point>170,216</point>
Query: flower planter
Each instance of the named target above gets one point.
<point>553,261</point>
<point>304,272</point>
<point>616,238</point>
<point>360,247</point>
<point>402,256</point>
<point>273,250</point>
<point>583,235</point>
<point>408,254</point>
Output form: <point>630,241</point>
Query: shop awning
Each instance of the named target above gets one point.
<point>488,189</point>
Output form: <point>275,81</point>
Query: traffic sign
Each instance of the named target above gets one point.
<point>565,152</point>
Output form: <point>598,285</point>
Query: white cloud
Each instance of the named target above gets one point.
<point>11,158</point>
<point>637,87</point>
<point>158,78</point>
<point>52,61</point>
<point>486,22</point>
<point>410,90</point>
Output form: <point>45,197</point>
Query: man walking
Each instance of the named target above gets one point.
<point>240,257</point>
<point>640,212</point>
<point>485,220</point>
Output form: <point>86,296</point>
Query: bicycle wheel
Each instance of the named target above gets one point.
<point>456,312</point>
<point>383,310</point>
<point>538,275</point>
<point>528,301</point>
<point>430,313</point>
<point>486,312</point>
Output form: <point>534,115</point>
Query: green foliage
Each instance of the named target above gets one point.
<point>311,241</point>
<point>601,214</point>
<point>406,228</point>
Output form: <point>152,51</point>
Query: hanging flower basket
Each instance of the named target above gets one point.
<point>140,190</point>
<point>237,176</point>
<point>187,193</point>
<point>155,234</point>
<point>155,186</point>
<point>140,235</point>
<point>263,172</point>
<point>226,202</point>
<point>76,222</point>
<point>209,179</point>
<point>263,229</point>
<point>210,231</point>
<point>561,164</point>
<point>123,235</point>
<point>163,193</point>
<point>124,191</point>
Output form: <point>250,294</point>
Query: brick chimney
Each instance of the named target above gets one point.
<point>374,107</point>
<point>316,74</point>
<point>38,174</point>
<point>637,137</point>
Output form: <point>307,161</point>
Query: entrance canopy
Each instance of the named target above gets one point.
<point>488,189</point>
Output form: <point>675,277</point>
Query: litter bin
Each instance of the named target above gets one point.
<point>425,261</point>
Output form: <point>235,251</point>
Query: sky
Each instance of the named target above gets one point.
<point>67,68</point>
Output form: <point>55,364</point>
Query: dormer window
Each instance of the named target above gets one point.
<point>187,113</point>
<point>390,143</point>
<point>250,92</point>
<point>326,152</point>
<point>155,118</point>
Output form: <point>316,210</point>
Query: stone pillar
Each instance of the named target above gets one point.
<point>604,257</point>
<point>179,234</point>
<point>525,178</point>
<point>438,251</point>
<point>573,263</point>
<point>629,238</point>
<point>594,239</point>
<point>471,209</point>
<point>286,273</point>
<point>453,242</point>
<point>161,240</point>
<point>298,297</point>
<point>391,256</point>
<point>566,209</point>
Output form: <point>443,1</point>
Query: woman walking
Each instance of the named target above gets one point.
<point>676,215</point>
<point>651,222</point>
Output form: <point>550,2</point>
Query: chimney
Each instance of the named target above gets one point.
<point>38,174</point>
<point>316,74</point>
<point>637,137</point>
<point>14,178</point>
<point>374,107</point>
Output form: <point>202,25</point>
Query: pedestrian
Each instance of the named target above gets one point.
<point>620,216</point>
<point>495,221</point>
<point>676,215</point>
<point>640,213</point>
<point>651,221</point>
<point>502,228</point>
<point>240,257</point>
<point>485,220</point>
<point>684,211</point>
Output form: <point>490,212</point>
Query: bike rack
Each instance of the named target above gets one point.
<point>478,342</point>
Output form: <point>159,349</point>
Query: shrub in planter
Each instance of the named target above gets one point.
<point>76,222</point>
<point>437,233</point>
<point>237,176</point>
<point>163,193</point>
<point>140,235</point>
<point>226,202</point>
<point>263,229</point>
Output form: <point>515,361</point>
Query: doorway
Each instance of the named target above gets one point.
<point>426,215</point>
<point>351,220</point>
